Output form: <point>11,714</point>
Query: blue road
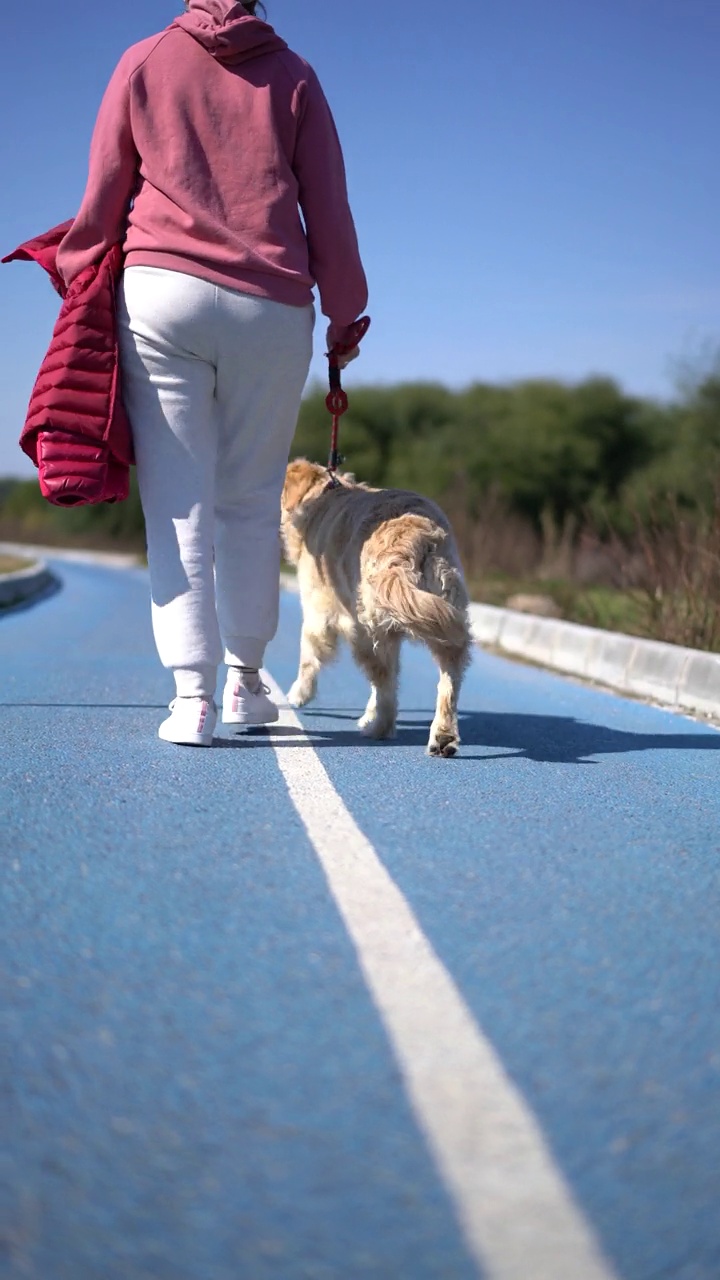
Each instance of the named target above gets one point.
<point>196,1083</point>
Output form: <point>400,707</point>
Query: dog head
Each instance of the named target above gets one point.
<point>304,483</point>
<point>303,480</point>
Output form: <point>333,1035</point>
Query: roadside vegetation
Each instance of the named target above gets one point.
<point>12,564</point>
<point>601,507</point>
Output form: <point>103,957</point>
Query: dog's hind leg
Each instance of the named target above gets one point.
<point>452,661</point>
<point>317,646</point>
<point>379,657</point>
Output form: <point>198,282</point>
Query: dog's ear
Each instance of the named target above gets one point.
<point>301,476</point>
<point>349,477</point>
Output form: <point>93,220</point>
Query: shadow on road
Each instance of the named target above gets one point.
<point>50,588</point>
<point>546,739</point>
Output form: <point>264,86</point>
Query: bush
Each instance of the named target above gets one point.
<point>26,516</point>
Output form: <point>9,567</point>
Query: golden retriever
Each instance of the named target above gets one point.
<point>374,566</point>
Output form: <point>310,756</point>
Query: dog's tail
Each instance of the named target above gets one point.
<point>419,589</point>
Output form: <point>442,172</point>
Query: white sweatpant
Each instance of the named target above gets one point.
<point>212,380</point>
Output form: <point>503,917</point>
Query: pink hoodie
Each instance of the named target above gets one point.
<point>219,135</point>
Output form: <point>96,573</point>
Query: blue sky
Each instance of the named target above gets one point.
<point>535,185</point>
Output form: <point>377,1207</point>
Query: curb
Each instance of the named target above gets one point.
<point>25,584</point>
<point>684,679</point>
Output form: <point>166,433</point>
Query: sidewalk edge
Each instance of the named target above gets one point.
<point>684,679</point>
<point>24,585</point>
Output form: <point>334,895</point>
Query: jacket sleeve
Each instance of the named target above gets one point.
<point>112,178</point>
<point>332,240</point>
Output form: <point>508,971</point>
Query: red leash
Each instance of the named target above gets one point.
<point>336,400</point>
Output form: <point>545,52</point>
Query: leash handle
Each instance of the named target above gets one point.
<point>336,401</point>
<point>356,333</point>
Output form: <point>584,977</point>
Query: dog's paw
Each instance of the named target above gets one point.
<point>299,694</point>
<point>373,727</point>
<point>443,744</point>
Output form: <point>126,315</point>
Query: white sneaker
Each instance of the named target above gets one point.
<point>246,701</point>
<point>191,724</point>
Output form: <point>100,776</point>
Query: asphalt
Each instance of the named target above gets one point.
<point>196,1081</point>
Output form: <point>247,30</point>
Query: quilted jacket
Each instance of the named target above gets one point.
<point>76,431</point>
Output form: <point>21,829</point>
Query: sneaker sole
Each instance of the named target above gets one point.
<point>188,740</point>
<point>259,717</point>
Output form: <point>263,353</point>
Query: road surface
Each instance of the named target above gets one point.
<point>308,1006</point>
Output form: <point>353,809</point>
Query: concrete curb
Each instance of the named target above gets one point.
<point>685,679</point>
<point>25,584</point>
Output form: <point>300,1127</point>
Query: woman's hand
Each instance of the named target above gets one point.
<point>344,361</point>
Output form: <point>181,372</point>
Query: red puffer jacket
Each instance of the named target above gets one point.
<point>76,430</point>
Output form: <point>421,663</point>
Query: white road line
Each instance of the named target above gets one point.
<point>515,1209</point>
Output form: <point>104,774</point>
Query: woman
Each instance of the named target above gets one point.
<point>211,138</point>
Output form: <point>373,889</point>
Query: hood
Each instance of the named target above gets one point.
<point>228,31</point>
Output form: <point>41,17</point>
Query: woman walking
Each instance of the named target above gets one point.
<point>212,138</point>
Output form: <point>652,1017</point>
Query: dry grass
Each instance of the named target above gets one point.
<point>11,564</point>
<point>82,540</point>
<point>495,540</point>
<point>673,565</point>
<point>663,583</point>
